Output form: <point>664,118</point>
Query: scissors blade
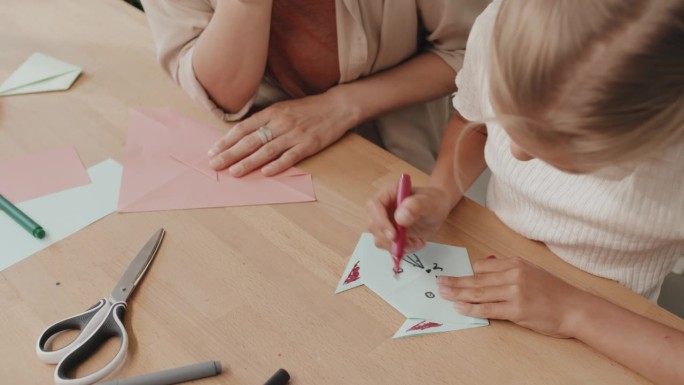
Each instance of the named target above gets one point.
<point>137,268</point>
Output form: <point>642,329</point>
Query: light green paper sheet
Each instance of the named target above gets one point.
<point>61,214</point>
<point>40,73</point>
<point>414,292</point>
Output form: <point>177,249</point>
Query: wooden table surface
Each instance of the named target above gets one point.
<point>250,286</point>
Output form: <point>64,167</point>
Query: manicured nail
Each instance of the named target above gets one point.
<point>214,163</point>
<point>236,169</point>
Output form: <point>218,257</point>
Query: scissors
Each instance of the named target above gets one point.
<point>97,325</point>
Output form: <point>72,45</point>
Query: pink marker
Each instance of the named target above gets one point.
<point>403,191</point>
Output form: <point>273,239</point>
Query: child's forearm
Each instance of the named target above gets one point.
<point>452,175</point>
<point>650,348</point>
<point>230,56</point>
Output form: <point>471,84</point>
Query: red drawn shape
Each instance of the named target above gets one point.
<point>353,274</point>
<point>422,325</point>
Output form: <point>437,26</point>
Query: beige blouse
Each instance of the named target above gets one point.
<point>372,36</point>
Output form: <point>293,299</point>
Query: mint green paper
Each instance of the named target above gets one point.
<point>40,73</point>
<point>414,292</point>
<point>61,214</point>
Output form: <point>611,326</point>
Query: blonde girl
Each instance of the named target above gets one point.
<point>577,108</point>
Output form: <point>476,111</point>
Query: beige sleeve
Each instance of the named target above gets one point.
<point>447,24</point>
<point>175,26</point>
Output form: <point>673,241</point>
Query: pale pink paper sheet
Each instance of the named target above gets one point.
<point>32,176</point>
<point>166,167</point>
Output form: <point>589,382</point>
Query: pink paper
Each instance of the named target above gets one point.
<point>166,167</point>
<point>32,176</point>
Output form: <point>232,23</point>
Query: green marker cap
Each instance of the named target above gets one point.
<point>39,233</point>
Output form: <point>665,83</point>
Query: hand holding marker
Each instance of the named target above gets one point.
<point>399,242</point>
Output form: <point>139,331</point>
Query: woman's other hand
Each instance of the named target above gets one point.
<point>295,129</point>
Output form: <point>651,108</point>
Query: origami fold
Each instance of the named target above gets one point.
<point>166,167</point>
<point>414,291</point>
<point>40,73</point>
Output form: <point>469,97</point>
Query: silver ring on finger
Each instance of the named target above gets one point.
<point>265,134</point>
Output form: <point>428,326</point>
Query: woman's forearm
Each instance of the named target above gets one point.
<point>419,79</point>
<point>650,348</point>
<point>230,55</point>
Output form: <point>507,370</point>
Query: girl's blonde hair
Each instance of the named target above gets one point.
<point>603,80</point>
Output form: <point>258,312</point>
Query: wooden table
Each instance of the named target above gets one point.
<point>250,286</point>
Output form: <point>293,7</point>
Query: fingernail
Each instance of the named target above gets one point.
<point>441,280</point>
<point>459,306</point>
<point>492,257</point>
<point>401,215</point>
<point>444,291</point>
<point>389,234</point>
<point>214,163</point>
<point>236,169</point>
<point>212,151</point>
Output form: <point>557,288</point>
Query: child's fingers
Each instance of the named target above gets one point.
<point>494,310</point>
<point>378,210</point>
<point>414,244</point>
<point>409,211</point>
<point>478,280</point>
<point>476,294</point>
<point>496,264</point>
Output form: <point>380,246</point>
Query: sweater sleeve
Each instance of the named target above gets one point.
<point>175,26</point>
<point>472,80</point>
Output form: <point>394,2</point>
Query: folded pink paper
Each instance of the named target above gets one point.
<point>166,167</point>
<point>32,176</point>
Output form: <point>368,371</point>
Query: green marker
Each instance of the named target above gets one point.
<point>21,218</point>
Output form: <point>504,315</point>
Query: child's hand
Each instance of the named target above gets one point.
<point>513,289</point>
<point>421,214</point>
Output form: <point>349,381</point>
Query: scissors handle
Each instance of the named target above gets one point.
<point>110,327</point>
<point>84,322</point>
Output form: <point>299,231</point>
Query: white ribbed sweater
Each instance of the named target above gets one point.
<point>625,225</point>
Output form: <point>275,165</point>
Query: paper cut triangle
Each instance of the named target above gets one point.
<point>40,73</point>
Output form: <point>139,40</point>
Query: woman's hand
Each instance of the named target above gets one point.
<point>296,129</point>
<point>421,214</point>
<point>513,289</point>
